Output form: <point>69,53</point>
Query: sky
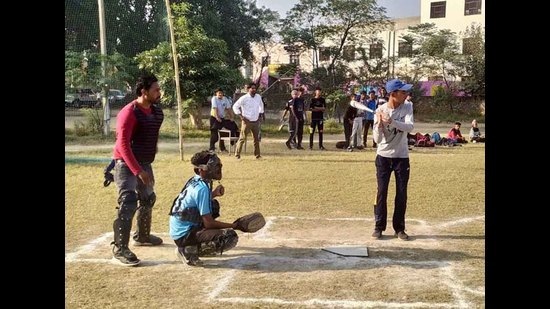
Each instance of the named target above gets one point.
<point>394,8</point>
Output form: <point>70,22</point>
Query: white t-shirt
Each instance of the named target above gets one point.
<point>392,139</point>
<point>220,105</point>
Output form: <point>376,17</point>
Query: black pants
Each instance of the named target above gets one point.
<point>296,129</point>
<point>366,125</point>
<point>319,124</point>
<point>347,131</point>
<point>384,168</point>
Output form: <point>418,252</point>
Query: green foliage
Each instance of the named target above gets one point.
<point>131,26</point>
<point>93,125</point>
<point>311,22</point>
<point>287,70</point>
<point>236,22</point>
<point>337,101</point>
<point>201,61</point>
<point>83,70</point>
<point>434,51</point>
<point>442,97</point>
<point>472,62</point>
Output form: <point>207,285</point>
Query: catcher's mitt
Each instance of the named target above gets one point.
<point>250,223</point>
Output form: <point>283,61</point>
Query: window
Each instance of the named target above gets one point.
<point>468,46</point>
<point>324,54</point>
<point>349,52</point>
<point>405,50</point>
<point>472,7</point>
<point>437,9</point>
<point>294,59</point>
<point>375,51</point>
<point>266,60</point>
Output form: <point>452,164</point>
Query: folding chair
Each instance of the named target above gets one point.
<point>225,135</point>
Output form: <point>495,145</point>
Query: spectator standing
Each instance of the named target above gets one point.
<point>249,107</point>
<point>317,107</point>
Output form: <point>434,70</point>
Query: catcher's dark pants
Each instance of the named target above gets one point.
<point>319,124</point>
<point>384,168</point>
<point>198,235</point>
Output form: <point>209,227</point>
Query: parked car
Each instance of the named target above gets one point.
<point>116,96</point>
<point>81,97</point>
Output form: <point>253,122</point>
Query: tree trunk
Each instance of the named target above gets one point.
<point>195,118</point>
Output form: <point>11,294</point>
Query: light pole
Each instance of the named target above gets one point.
<point>104,86</point>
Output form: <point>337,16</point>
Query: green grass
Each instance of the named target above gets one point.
<point>446,184</point>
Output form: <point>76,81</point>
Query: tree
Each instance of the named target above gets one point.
<point>237,22</point>
<point>83,70</point>
<point>435,52</point>
<point>301,25</point>
<point>334,22</point>
<point>131,26</point>
<point>472,62</point>
<point>269,20</point>
<point>202,66</point>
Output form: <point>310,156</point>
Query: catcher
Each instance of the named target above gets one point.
<point>193,224</point>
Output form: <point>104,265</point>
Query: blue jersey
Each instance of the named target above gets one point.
<point>197,194</point>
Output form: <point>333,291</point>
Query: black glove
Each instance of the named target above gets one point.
<point>108,179</point>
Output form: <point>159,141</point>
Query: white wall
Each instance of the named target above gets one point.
<point>454,19</point>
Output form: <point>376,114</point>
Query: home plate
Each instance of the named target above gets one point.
<point>348,251</point>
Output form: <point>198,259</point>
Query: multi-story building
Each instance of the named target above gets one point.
<point>455,15</point>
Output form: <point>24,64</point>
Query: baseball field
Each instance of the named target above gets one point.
<point>311,200</point>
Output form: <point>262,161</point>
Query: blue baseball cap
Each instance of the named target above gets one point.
<point>396,84</point>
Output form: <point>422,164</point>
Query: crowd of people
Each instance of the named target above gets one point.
<point>193,223</point>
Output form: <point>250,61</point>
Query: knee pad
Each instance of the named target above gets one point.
<point>127,206</point>
<point>227,241</point>
<point>148,201</point>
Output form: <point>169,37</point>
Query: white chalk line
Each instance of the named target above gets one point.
<point>222,284</point>
<point>264,235</point>
<point>91,246</point>
<point>336,303</point>
<point>460,221</point>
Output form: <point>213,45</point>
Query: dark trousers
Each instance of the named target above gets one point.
<point>197,236</point>
<point>319,124</point>
<point>366,125</point>
<point>384,168</point>
<point>347,131</point>
<point>296,129</point>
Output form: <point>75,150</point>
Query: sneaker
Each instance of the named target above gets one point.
<point>377,234</point>
<point>300,147</point>
<point>288,145</point>
<point>124,256</point>
<point>152,240</point>
<point>188,259</point>
<point>321,148</point>
<point>238,157</point>
<point>258,157</point>
<point>402,235</point>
